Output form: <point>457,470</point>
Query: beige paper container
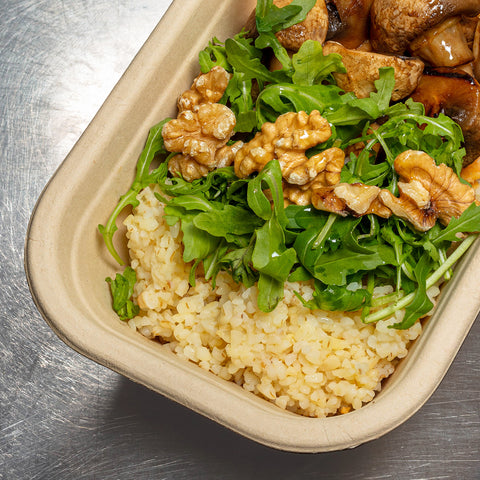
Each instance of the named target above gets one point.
<point>66,261</point>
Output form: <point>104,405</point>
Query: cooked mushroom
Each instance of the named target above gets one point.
<point>469,25</point>
<point>427,191</point>
<point>395,24</point>
<point>362,71</point>
<point>314,27</point>
<point>476,52</point>
<point>457,95</point>
<point>443,45</point>
<point>349,20</point>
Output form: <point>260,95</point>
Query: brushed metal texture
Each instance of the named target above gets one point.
<point>63,416</point>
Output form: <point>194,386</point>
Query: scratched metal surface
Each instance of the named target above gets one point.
<point>63,416</point>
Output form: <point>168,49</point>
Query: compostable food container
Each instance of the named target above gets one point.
<point>66,261</point>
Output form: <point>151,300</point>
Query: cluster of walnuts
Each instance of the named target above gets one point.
<point>202,131</point>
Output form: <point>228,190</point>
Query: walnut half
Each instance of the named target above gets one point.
<point>350,198</point>
<point>287,140</point>
<point>427,191</point>
<point>200,133</point>
<point>206,88</point>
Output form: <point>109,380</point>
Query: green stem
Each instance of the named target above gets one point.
<point>325,231</point>
<point>407,270</point>
<point>386,299</point>
<point>110,227</point>
<point>370,288</point>
<point>431,280</point>
<point>443,257</point>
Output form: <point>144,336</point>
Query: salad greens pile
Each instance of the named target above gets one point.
<point>241,225</point>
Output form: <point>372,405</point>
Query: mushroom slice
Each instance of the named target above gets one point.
<point>457,95</point>
<point>443,45</point>
<point>362,71</point>
<point>394,24</point>
<point>351,28</point>
<point>427,191</point>
<point>314,27</point>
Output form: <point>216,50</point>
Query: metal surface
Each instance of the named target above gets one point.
<point>63,416</point>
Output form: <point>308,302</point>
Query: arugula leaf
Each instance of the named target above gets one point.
<point>197,243</point>
<point>271,176</point>
<point>246,58</point>
<point>270,292</point>
<point>269,40</point>
<point>300,274</point>
<point>270,18</point>
<point>346,298</point>
<point>356,110</point>
<point>212,263</point>
<point>305,217</point>
<point>326,233</point>
<point>384,86</point>
<point>193,202</point>
<point>270,255</point>
<point>421,304</point>
<point>305,5</point>
<point>122,291</point>
<point>332,268</point>
<point>230,220</point>
<point>213,186</point>
<point>311,66</point>
<point>239,94</point>
<point>281,98</point>
<point>154,146</point>
<point>468,222</point>
<point>212,55</point>
<point>238,262</point>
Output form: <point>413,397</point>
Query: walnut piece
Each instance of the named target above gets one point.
<point>200,132</point>
<point>323,168</point>
<point>287,140</point>
<point>427,191</point>
<point>188,168</point>
<point>206,88</point>
<point>350,198</point>
<point>328,165</point>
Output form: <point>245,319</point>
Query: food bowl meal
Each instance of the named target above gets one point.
<point>256,345</point>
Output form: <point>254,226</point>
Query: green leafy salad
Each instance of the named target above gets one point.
<point>240,225</point>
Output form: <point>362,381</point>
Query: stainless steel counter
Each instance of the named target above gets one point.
<point>63,416</point>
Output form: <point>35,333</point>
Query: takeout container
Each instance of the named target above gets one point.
<point>66,261</point>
